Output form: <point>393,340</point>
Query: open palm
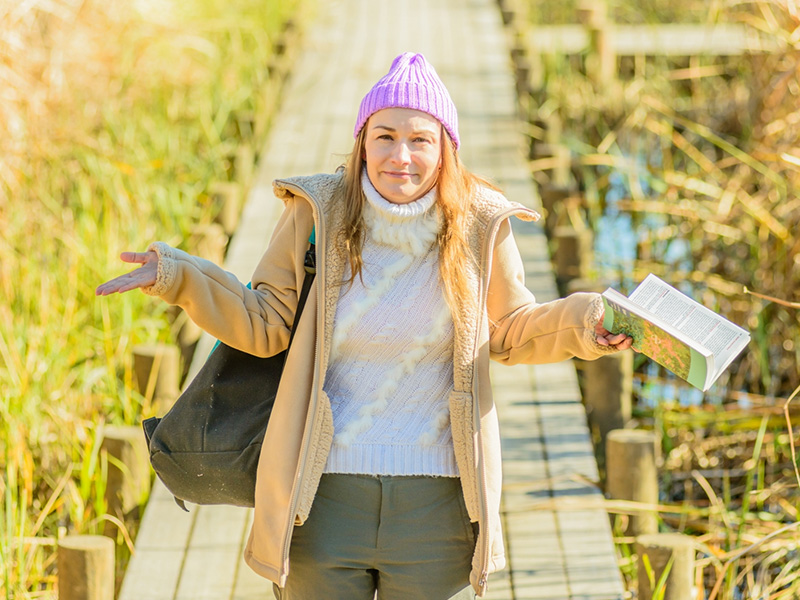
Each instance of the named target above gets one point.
<point>144,276</point>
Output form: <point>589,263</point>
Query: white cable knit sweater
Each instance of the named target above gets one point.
<point>391,369</point>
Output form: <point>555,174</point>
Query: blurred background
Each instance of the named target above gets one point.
<point>664,136</point>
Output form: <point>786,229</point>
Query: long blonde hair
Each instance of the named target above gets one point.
<point>456,187</point>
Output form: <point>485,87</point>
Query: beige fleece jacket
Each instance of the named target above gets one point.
<point>506,324</point>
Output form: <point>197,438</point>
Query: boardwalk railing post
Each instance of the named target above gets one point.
<point>607,392</point>
<point>227,198</point>
<point>128,479</point>
<point>631,474</point>
<point>186,333</point>
<point>244,164</point>
<point>554,199</point>
<point>601,61</point>
<point>660,548</point>
<point>573,253</point>
<point>86,568</point>
<point>209,242</point>
<point>561,174</point>
<point>157,370</point>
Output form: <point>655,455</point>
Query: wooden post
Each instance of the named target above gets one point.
<point>631,474</point>
<point>287,39</point>
<point>243,165</point>
<point>292,38</point>
<point>521,67</point>
<point>537,73</point>
<point>209,242</point>
<point>157,370</point>
<point>600,62</point>
<point>554,127</point>
<point>573,253</point>
<point>86,568</point>
<point>128,480</point>
<point>270,94</point>
<point>507,14</point>
<point>561,174</point>
<point>553,199</point>
<point>227,198</point>
<point>187,334</point>
<point>277,68</point>
<point>659,549</point>
<point>284,49</point>
<point>245,124</point>
<point>522,71</point>
<point>608,392</point>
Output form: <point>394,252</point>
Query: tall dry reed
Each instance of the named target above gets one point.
<point>701,156</point>
<point>114,117</point>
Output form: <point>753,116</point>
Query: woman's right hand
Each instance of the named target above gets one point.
<point>144,276</point>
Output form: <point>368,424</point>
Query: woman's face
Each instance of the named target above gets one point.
<point>403,151</point>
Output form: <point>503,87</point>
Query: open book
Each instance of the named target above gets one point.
<point>678,333</point>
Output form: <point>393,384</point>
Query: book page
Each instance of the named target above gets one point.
<point>652,337</point>
<point>702,325</point>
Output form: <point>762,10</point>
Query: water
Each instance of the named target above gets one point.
<point>618,237</point>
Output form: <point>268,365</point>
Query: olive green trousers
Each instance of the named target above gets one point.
<point>402,538</point>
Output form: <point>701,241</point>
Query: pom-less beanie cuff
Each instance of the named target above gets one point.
<point>411,82</point>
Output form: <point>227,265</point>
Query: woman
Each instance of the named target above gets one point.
<point>380,468</point>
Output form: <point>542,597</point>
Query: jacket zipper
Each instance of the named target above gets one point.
<point>484,493</point>
<point>320,244</point>
<point>320,233</point>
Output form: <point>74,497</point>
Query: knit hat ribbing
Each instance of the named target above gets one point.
<point>411,82</point>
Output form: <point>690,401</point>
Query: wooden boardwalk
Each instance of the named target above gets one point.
<point>558,535</point>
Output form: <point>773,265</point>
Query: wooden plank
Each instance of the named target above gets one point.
<point>589,558</point>
<point>214,553</point>
<point>344,55</point>
<point>155,567</point>
<point>545,439</point>
<point>248,585</point>
<point>565,433</point>
<point>585,533</point>
<point>499,587</point>
<point>539,571</point>
<point>536,558</point>
<point>687,40</point>
<point>652,40</point>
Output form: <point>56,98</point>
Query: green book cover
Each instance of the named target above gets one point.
<point>668,350</point>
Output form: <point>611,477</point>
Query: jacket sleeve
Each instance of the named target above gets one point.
<point>256,321</point>
<point>524,331</point>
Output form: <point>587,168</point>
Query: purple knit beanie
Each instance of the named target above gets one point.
<point>411,83</point>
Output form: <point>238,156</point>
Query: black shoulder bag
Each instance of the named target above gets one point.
<point>206,448</point>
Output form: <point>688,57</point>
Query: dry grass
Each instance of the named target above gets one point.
<point>114,118</point>
<point>702,156</point>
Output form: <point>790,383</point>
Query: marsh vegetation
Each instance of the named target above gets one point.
<point>115,119</point>
<point>689,167</point>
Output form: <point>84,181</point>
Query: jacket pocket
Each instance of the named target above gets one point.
<point>462,424</point>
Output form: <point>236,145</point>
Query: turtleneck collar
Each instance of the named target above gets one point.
<point>396,211</point>
<point>412,227</point>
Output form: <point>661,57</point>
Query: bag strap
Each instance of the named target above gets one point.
<point>310,264</point>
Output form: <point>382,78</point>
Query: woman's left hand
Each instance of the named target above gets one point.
<point>604,337</point>
<point>620,341</point>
